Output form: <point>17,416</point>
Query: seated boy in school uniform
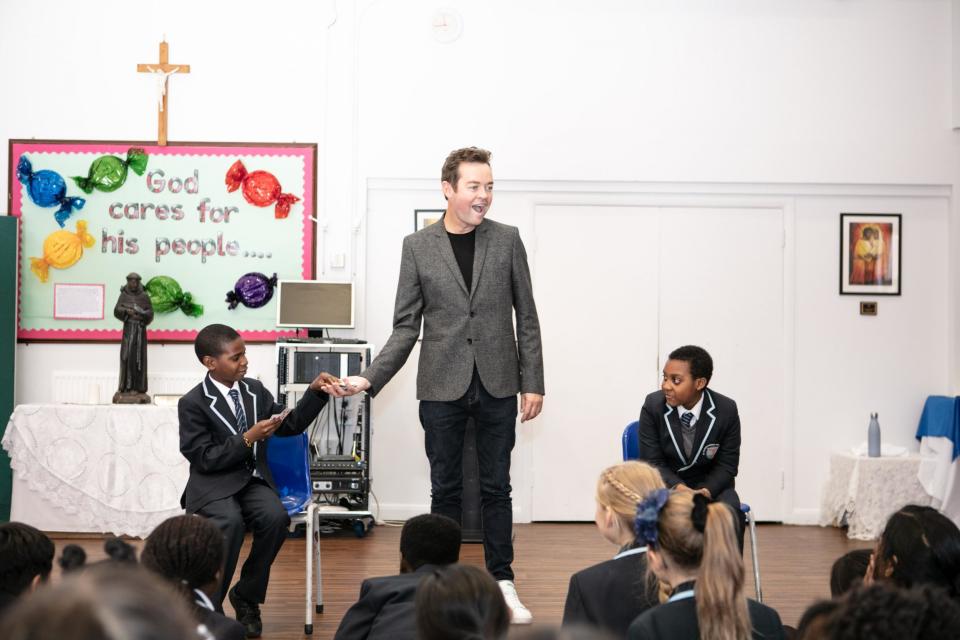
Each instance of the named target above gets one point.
<point>385,609</point>
<point>691,433</point>
<point>225,424</point>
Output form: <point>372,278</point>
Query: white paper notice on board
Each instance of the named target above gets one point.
<point>78,301</point>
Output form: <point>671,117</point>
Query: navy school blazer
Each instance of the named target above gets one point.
<point>210,442</point>
<point>716,443</point>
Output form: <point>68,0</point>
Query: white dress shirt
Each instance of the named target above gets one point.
<point>225,392</point>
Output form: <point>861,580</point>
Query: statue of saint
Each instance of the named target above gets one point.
<point>135,310</point>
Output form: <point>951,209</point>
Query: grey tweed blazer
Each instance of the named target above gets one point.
<point>462,328</point>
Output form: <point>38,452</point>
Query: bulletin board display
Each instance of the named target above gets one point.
<point>205,225</point>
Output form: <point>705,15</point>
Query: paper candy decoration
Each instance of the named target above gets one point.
<point>108,173</point>
<point>61,250</point>
<point>47,188</point>
<point>253,290</point>
<point>166,296</point>
<point>260,188</point>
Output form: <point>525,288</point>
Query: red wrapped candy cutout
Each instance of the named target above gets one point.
<point>260,188</point>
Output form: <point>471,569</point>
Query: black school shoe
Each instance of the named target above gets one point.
<point>248,613</point>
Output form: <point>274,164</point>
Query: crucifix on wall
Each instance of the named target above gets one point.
<point>164,70</point>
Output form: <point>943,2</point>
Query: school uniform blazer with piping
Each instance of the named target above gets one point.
<point>678,621</point>
<point>464,327</point>
<point>610,595</point>
<point>210,441</point>
<point>716,443</point>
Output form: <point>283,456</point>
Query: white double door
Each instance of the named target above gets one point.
<point>617,289</point>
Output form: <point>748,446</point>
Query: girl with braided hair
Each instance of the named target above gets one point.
<point>693,550</point>
<point>611,594</point>
<point>188,552</point>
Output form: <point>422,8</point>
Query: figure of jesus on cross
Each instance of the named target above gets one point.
<point>165,69</point>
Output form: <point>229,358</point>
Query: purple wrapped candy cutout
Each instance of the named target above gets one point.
<point>253,290</point>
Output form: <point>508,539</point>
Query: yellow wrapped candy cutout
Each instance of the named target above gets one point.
<point>61,250</point>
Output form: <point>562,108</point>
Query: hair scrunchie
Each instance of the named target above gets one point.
<point>699,513</point>
<point>648,514</point>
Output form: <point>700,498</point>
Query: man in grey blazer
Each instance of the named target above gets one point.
<point>466,277</point>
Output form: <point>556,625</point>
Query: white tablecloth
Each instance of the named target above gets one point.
<point>101,468</point>
<point>863,492</point>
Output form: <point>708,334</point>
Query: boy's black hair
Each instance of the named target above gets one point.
<point>25,553</point>
<point>701,364</point>
<point>430,539</point>
<point>212,340</point>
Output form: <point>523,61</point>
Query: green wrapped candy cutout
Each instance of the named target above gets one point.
<point>166,296</point>
<point>108,173</point>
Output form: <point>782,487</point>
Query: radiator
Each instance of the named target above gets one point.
<point>98,387</point>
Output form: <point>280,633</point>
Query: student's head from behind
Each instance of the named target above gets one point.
<point>685,375</point>
<point>848,571</point>
<point>429,538</point>
<point>886,612</point>
<point>919,546</point>
<point>813,622</point>
<point>222,351</point>
<point>620,489</point>
<point>690,538</point>
<point>26,558</point>
<point>460,602</point>
<point>109,601</point>
<point>186,550</point>
<point>467,183</point>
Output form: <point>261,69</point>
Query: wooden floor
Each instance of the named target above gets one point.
<point>795,566</point>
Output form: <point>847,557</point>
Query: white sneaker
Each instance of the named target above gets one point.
<point>519,613</point>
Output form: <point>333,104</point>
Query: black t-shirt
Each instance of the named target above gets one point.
<point>463,247</point>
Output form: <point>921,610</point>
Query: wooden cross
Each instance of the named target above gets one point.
<point>167,70</point>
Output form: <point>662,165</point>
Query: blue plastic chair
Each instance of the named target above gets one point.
<point>289,461</point>
<point>630,442</point>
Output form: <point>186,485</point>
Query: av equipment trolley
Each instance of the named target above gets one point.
<point>340,437</point>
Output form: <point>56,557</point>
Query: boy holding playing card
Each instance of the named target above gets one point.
<point>225,425</point>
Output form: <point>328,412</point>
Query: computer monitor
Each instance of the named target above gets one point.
<point>314,304</point>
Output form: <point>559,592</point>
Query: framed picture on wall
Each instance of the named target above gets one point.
<point>870,261</point>
<point>426,217</point>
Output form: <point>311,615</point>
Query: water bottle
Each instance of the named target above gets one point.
<point>873,437</point>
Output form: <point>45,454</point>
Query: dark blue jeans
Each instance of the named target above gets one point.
<point>495,419</point>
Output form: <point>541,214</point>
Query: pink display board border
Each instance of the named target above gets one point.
<point>308,151</point>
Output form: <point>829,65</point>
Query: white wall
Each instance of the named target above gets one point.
<point>833,105</point>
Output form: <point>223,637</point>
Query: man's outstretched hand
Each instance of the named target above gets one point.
<point>349,386</point>
<point>324,379</point>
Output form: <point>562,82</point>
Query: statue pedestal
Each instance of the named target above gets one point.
<point>130,397</point>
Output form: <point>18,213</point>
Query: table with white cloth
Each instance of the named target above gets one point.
<point>863,492</point>
<point>95,468</point>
